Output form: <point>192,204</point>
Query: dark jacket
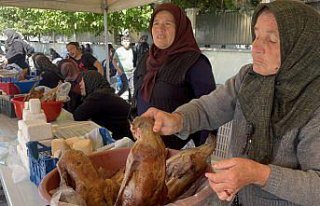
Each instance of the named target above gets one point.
<point>50,78</point>
<point>180,80</point>
<point>107,110</point>
<point>102,106</point>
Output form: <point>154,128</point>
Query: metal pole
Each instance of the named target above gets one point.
<point>106,40</point>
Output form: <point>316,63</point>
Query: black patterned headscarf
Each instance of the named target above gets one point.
<point>279,103</point>
<point>94,82</point>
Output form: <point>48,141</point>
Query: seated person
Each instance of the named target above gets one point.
<point>71,73</point>
<point>102,106</point>
<point>49,73</point>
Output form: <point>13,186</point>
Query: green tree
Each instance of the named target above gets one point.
<point>210,6</point>
<point>44,22</point>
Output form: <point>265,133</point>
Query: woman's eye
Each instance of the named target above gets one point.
<point>273,40</point>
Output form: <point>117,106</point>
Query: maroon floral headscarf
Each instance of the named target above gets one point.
<point>184,41</point>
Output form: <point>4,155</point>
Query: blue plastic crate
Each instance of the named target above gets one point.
<point>8,79</point>
<point>40,161</point>
<point>12,87</point>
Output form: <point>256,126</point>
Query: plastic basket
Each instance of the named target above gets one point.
<point>6,107</point>
<point>51,109</point>
<point>11,86</point>
<point>223,141</point>
<point>40,161</point>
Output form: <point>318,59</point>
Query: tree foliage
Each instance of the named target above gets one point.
<point>37,22</point>
<point>210,6</point>
<point>44,22</point>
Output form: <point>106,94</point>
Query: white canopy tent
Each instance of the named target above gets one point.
<point>95,6</point>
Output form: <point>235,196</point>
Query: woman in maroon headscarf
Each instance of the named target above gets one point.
<point>174,71</point>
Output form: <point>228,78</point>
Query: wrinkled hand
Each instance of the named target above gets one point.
<point>165,123</point>
<point>234,174</point>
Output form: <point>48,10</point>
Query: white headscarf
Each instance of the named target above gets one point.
<point>11,36</point>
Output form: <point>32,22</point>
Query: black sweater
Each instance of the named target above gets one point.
<point>107,110</point>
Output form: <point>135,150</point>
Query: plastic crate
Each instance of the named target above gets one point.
<point>40,161</point>
<point>223,141</point>
<point>6,107</point>
<point>11,86</point>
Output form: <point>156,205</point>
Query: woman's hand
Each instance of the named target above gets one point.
<point>165,123</point>
<point>234,174</point>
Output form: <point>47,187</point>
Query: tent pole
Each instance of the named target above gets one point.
<point>106,40</point>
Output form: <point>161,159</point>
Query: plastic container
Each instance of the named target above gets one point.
<point>12,87</point>
<point>6,107</point>
<point>223,141</point>
<point>40,161</point>
<point>52,109</point>
<point>110,160</point>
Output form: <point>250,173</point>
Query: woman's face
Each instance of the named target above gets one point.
<point>266,46</point>
<point>163,29</point>
<point>73,51</point>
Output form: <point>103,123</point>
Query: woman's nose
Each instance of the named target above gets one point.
<point>161,27</point>
<point>257,46</point>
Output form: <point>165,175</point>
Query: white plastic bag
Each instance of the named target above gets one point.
<point>66,196</point>
<point>63,91</point>
<point>19,173</point>
<point>99,137</point>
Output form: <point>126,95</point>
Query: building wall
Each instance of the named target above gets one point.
<point>227,62</point>
<point>223,29</point>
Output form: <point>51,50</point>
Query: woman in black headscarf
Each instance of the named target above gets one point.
<point>102,106</point>
<point>49,73</point>
<point>275,107</point>
<point>174,71</point>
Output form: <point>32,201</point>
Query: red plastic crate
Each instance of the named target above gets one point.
<point>9,88</point>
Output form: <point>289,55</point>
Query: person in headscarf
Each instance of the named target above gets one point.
<point>174,71</point>
<point>55,56</point>
<point>88,49</point>
<point>275,107</point>
<point>101,105</point>
<point>50,76</point>
<point>71,73</point>
<point>17,50</point>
